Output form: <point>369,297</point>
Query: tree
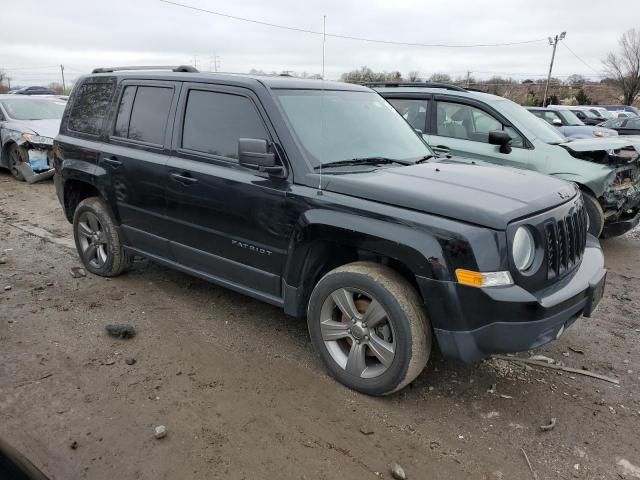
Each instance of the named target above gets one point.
<point>575,80</point>
<point>365,74</point>
<point>582,98</point>
<point>3,77</point>
<point>531,100</point>
<point>624,67</point>
<point>414,76</point>
<point>440,78</point>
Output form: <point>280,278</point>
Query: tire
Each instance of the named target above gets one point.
<point>595,214</point>
<point>17,154</point>
<point>98,240</point>
<point>359,355</point>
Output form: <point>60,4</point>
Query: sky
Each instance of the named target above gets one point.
<point>84,34</point>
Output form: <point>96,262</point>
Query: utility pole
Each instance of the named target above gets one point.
<point>324,40</point>
<point>468,78</point>
<point>64,87</point>
<point>195,61</point>
<point>554,43</point>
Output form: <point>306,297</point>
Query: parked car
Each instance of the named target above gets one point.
<point>27,127</point>
<point>624,126</point>
<point>34,91</point>
<point>568,124</point>
<point>460,122</point>
<point>319,198</point>
<point>585,116</point>
<point>624,108</point>
<point>622,114</point>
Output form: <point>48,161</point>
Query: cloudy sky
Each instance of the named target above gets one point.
<point>83,34</point>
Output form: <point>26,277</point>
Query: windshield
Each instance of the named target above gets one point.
<point>334,126</point>
<point>570,118</point>
<point>524,119</point>
<point>33,108</point>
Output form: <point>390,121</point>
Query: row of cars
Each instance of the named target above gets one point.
<point>385,230</point>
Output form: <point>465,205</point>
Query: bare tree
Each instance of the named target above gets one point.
<point>440,78</point>
<point>3,77</point>
<point>414,76</point>
<point>624,66</point>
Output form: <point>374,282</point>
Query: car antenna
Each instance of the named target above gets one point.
<point>324,40</point>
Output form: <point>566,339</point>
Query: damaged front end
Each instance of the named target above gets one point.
<point>38,165</point>
<point>618,186</point>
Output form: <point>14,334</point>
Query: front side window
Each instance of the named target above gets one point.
<point>214,122</point>
<point>457,120</point>
<point>90,107</point>
<point>413,111</point>
<point>338,125</point>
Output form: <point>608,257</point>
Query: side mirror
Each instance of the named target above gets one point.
<point>254,153</point>
<point>502,138</point>
<point>556,122</point>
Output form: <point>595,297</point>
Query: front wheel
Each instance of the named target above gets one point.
<point>370,327</point>
<point>595,214</point>
<point>17,156</point>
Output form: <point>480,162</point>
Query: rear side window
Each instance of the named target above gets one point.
<point>413,111</point>
<point>214,122</point>
<point>143,113</point>
<point>90,107</point>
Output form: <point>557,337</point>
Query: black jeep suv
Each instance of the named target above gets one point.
<point>320,198</point>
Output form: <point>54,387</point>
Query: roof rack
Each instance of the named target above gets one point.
<point>179,68</point>
<point>446,86</point>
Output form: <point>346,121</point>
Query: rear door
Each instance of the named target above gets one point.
<point>462,129</point>
<point>135,161</point>
<point>225,221</point>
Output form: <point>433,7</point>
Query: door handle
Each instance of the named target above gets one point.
<point>183,178</point>
<point>113,162</point>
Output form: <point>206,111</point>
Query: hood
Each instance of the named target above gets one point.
<point>44,128</point>
<point>602,143</point>
<point>585,131</point>
<point>478,193</point>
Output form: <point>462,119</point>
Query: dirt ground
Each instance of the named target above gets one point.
<point>243,395</point>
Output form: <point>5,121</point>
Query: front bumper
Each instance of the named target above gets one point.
<point>472,323</point>
<point>39,167</point>
<point>622,225</point>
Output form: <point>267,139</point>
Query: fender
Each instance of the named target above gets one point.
<point>323,237</point>
<point>597,186</point>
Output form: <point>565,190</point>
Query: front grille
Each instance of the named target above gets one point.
<point>566,239</point>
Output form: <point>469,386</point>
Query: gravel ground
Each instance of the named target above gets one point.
<point>242,394</point>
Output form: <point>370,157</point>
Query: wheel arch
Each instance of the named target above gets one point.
<point>325,240</point>
<point>75,191</point>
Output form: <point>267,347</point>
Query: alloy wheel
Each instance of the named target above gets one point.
<point>93,239</point>
<point>357,332</point>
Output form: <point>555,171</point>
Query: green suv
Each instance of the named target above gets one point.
<point>460,122</point>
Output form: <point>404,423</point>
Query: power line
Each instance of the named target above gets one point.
<point>575,55</point>
<point>347,37</point>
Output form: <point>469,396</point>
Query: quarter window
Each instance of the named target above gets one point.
<point>213,123</point>
<point>413,111</point>
<point>465,122</point>
<point>90,106</point>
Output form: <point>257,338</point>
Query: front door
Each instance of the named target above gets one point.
<point>225,221</point>
<point>463,130</point>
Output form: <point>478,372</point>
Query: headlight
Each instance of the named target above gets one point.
<point>600,133</point>
<point>524,248</point>
<point>37,139</point>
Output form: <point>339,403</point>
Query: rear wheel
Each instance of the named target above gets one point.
<point>370,327</point>
<point>17,155</point>
<point>595,214</point>
<point>97,239</point>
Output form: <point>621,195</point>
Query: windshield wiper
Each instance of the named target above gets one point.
<point>361,161</point>
<point>426,158</point>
